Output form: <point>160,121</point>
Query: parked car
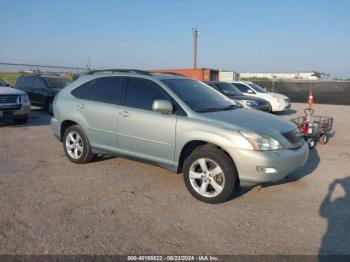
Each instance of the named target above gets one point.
<point>3,83</point>
<point>277,101</point>
<point>234,94</point>
<point>14,104</point>
<point>41,89</point>
<point>177,123</point>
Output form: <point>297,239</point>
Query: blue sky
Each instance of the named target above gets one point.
<point>242,35</point>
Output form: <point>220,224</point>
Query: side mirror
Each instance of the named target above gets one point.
<point>250,91</point>
<point>162,106</point>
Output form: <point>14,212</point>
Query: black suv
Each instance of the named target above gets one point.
<point>41,89</point>
<point>234,94</point>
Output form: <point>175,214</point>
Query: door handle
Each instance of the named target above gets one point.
<point>81,106</point>
<point>124,113</point>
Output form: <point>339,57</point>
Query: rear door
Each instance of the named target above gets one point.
<point>142,132</point>
<point>39,92</point>
<point>27,84</point>
<point>98,106</point>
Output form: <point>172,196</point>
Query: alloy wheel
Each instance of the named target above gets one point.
<point>206,177</point>
<point>74,145</point>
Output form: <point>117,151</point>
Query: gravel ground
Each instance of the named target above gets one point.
<point>116,206</point>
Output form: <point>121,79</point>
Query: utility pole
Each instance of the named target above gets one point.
<point>195,38</point>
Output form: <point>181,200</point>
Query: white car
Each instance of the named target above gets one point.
<point>277,101</point>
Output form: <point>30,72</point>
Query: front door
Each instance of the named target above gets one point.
<point>142,132</point>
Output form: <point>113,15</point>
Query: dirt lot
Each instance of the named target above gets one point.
<point>115,206</point>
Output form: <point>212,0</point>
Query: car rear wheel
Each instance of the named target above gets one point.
<point>76,145</point>
<point>324,139</point>
<point>49,106</point>
<point>210,175</point>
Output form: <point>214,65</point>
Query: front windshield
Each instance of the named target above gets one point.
<point>229,89</point>
<point>56,82</point>
<point>199,96</point>
<point>257,88</point>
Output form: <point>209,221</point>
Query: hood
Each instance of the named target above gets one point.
<point>10,91</point>
<point>55,90</point>
<point>275,95</point>
<point>250,119</point>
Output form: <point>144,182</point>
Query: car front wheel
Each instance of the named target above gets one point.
<point>210,175</point>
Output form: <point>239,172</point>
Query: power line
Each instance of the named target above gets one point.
<point>45,66</point>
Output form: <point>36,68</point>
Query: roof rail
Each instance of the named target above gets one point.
<point>170,73</point>
<point>137,71</point>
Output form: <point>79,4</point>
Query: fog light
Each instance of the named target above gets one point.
<point>266,170</point>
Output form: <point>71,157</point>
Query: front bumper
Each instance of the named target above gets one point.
<point>279,107</point>
<point>13,110</point>
<point>55,126</point>
<point>284,161</point>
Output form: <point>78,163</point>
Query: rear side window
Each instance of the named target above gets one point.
<point>108,89</point>
<point>141,93</point>
<point>105,90</point>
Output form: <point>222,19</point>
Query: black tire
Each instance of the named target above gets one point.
<point>86,154</point>
<point>324,139</point>
<point>49,106</point>
<point>270,107</point>
<point>224,162</point>
<point>21,120</point>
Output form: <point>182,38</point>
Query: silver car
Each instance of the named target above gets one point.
<point>177,123</point>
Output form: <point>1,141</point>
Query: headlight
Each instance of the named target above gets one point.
<point>25,99</point>
<point>249,102</point>
<point>238,103</point>
<point>261,142</point>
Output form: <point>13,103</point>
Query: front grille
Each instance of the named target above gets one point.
<point>8,99</point>
<point>294,136</point>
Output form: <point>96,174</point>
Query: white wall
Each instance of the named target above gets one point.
<point>299,75</point>
<point>227,76</point>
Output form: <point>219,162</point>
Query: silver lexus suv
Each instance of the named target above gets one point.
<point>177,123</point>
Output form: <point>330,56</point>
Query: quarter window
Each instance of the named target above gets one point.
<point>141,93</point>
<point>105,90</point>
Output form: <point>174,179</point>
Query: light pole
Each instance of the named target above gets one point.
<point>195,38</point>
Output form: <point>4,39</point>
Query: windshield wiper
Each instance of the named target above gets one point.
<point>215,109</point>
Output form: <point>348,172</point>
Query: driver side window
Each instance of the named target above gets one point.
<point>141,93</point>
